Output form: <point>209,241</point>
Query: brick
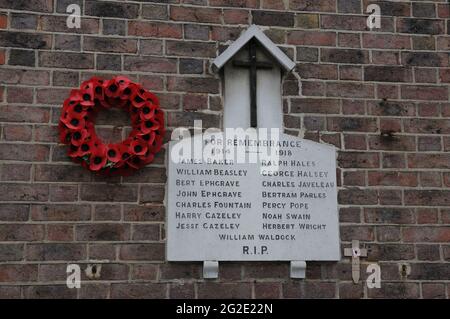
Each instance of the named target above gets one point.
<point>109,62</point>
<point>392,108</point>
<point>144,271</point>
<point>180,271</point>
<point>155,12</point>
<point>257,270</point>
<point>387,74</point>
<point>392,143</point>
<point>55,23</point>
<point>388,233</point>
<point>427,198</point>
<point>343,22</point>
<point>191,49</point>
<point>396,291</point>
<point>351,90</point>
<point>154,29</point>
<point>386,41</point>
<point>381,252</point>
<point>234,3</point>
<point>66,60</point>
<point>138,290</point>
<point>14,212</point>
<point>391,8</point>
<point>151,194</point>
<point>420,26</point>
<point>316,5</point>
<point>17,132</point>
<point>427,215</point>
<point>224,290</point>
<point>308,105</point>
<point>433,291</point>
<point>420,160</point>
<point>21,232</point>
<point>191,66</point>
<point>60,212</point>
<point>111,9</point>
<point>107,212</point>
<point>56,251</point>
<point>273,18</point>
<point>116,193</point>
<point>18,273</point>
<point>151,251</point>
<point>318,71</point>
<point>424,10</point>
<point>350,72</point>
<point>191,14</point>
<point>349,6</point>
<point>193,84</point>
<point>268,290</point>
<point>356,196</point>
<point>429,271</point>
<point>59,233</point>
<point>114,27</point>
<point>10,292</point>
<point>94,291</point>
<point>11,252</point>
<point>150,64</point>
<point>351,40</point>
<point>356,142</point>
<point>49,292</point>
<point>358,160</point>
<point>26,77</point>
<point>16,172</point>
<point>428,252</point>
<point>151,46</point>
<point>65,78</point>
<point>429,143</point>
<point>28,5</point>
<point>389,215</point>
<point>427,126</point>
<point>25,40</point>
<point>102,232</point>
<point>23,21</point>
<point>196,32</point>
<point>352,124</point>
<point>143,213</point>
<point>424,59</point>
<point>110,44</point>
<point>300,37</point>
<point>235,16</point>
<point>392,179</point>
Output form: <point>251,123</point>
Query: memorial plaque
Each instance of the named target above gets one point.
<point>224,210</point>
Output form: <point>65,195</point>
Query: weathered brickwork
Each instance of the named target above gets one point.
<point>381,97</point>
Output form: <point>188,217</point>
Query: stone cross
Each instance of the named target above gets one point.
<point>355,252</point>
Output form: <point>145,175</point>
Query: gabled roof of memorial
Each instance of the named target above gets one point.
<point>250,33</point>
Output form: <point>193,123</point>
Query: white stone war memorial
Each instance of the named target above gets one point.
<point>265,196</point>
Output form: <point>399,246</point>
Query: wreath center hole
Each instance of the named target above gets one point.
<point>112,125</point>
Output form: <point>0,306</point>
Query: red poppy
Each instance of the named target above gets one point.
<point>113,153</point>
<point>98,158</point>
<point>79,137</point>
<point>112,89</point>
<point>138,97</point>
<point>148,126</point>
<point>138,147</point>
<point>147,111</point>
<point>74,123</point>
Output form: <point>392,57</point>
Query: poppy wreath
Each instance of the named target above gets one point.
<point>77,126</point>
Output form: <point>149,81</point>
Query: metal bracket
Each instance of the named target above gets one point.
<point>210,269</point>
<point>298,269</point>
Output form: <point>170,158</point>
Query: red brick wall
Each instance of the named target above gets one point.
<point>382,97</point>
